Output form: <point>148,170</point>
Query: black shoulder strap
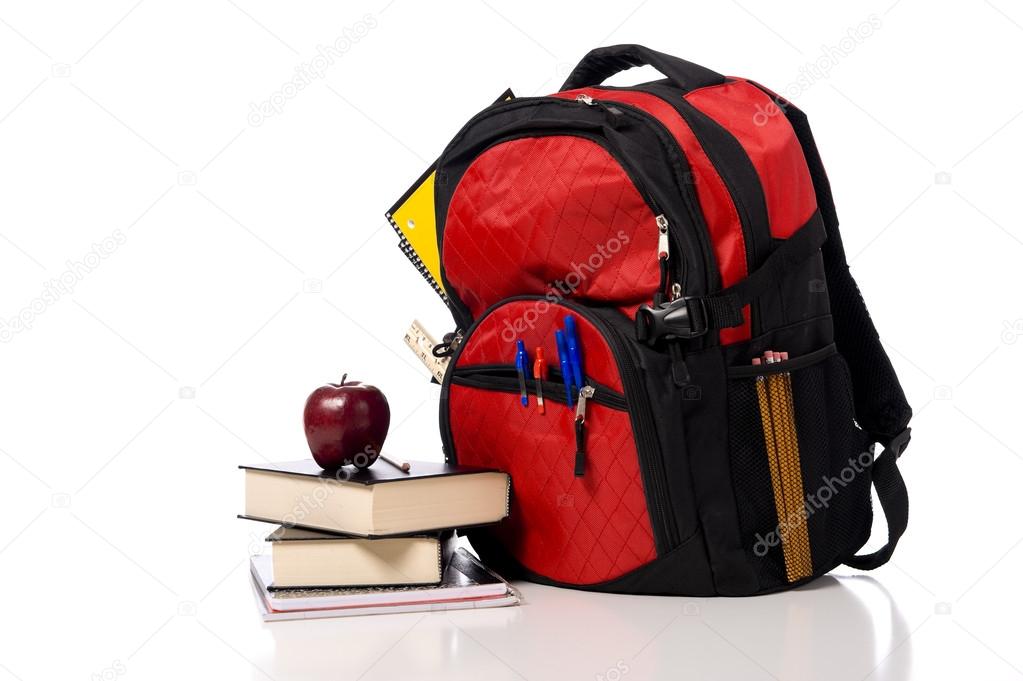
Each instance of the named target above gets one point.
<point>881,405</point>
<point>891,491</point>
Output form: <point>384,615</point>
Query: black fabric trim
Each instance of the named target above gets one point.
<point>794,364</point>
<point>734,167</point>
<point>707,444</point>
<point>725,307</point>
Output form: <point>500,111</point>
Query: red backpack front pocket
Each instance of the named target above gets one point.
<point>584,487</point>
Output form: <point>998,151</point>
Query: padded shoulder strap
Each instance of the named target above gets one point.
<point>881,405</point>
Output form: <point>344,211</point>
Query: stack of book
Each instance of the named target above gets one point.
<point>372,541</point>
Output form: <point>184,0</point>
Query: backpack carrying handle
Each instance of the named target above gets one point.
<point>600,64</point>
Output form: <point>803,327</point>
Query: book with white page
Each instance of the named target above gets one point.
<point>466,584</point>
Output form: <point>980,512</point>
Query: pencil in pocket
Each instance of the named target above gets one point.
<point>777,414</point>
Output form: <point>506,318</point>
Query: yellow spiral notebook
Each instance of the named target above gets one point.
<point>414,218</point>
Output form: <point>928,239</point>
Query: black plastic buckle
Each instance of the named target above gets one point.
<point>898,444</point>
<point>681,318</point>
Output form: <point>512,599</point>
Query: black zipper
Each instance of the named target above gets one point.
<point>740,204</point>
<point>742,209</point>
<point>503,378</point>
<point>638,406</point>
<point>683,178</point>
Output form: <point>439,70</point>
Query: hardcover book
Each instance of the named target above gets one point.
<point>317,560</point>
<point>380,501</point>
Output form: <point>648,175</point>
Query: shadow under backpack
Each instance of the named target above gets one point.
<point>687,226</point>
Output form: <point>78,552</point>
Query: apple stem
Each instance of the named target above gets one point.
<point>343,379</point>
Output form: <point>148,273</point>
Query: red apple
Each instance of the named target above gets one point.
<point>346,423</point>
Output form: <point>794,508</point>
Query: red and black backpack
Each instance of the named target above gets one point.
<point>687,228</point>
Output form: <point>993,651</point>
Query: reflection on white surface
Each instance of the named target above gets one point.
<point>835,628</point>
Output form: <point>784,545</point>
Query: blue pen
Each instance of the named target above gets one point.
<point>566,371</point>
<point>521,363</point>
<point>575,352</point>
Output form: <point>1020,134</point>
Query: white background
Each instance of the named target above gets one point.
<point>256,264</point>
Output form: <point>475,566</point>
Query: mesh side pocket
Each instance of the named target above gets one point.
<point>836,462</point>
<point>751,479</point>
<point>804,505</point>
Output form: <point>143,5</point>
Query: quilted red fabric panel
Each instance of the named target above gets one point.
<point>534,322</point>
<point>549,214</point>
<point>581,530</point>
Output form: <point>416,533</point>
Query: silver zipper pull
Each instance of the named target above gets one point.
<point>585,99</point>
<point>662,237</point>
<point>585,393</point>
<point>676,291</point>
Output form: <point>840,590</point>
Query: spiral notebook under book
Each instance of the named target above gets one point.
<point>415,221</point>
<point>467,583</point>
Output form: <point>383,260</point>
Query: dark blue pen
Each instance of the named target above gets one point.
<point>566,370</point>
<point>575,352</point>
<point>521,365</point>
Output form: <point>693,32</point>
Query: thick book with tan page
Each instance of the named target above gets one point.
<point>306,559</point>
<point>380,501</point>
